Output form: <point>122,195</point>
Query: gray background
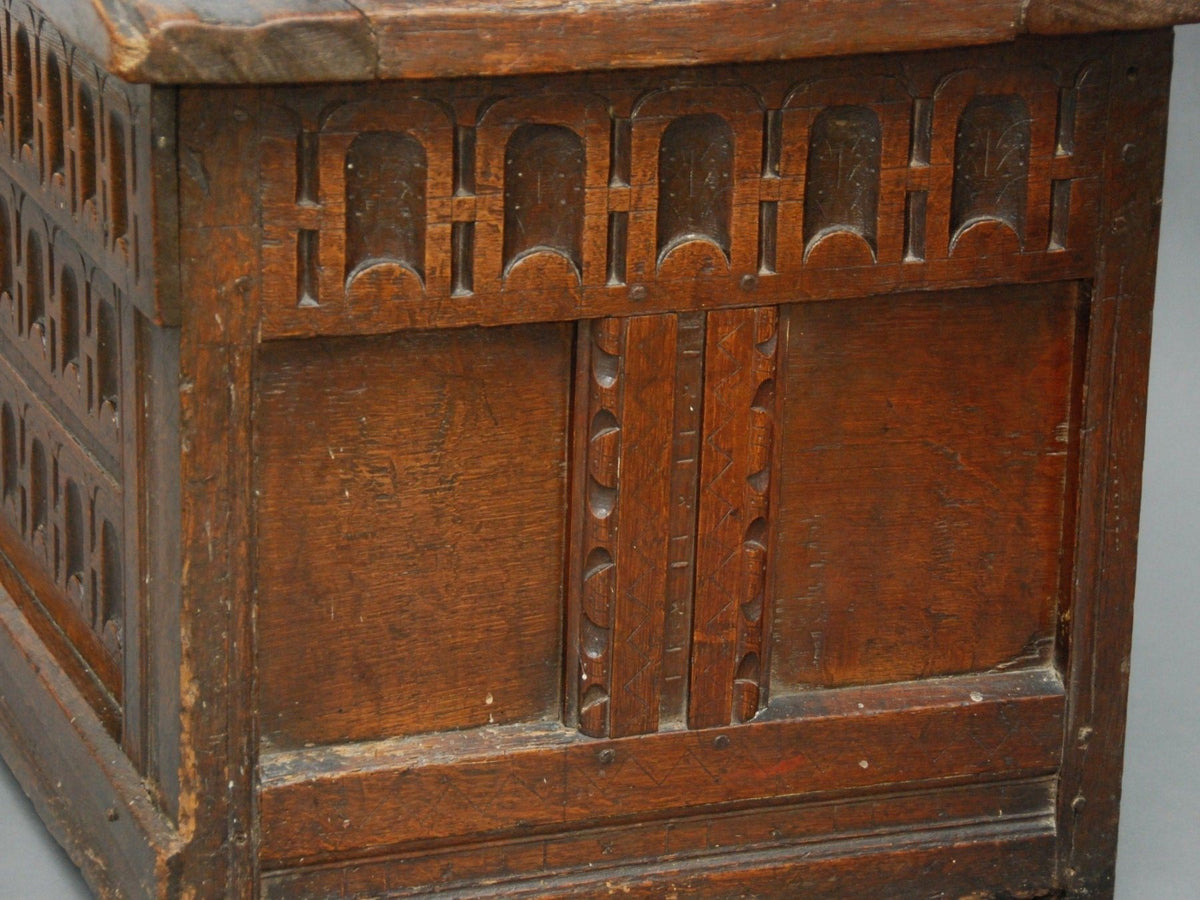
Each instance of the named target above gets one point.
<point>1160,809</point>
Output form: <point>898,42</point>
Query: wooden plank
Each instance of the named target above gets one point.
<point>643,534</point>
<point>325,802</point>
<point>921,506</point>
<point>1007,860</point>
<point>226,41</point>
<point>662,157</point>
<point>219,243</point>
<point>622,560</point>
<point>798,832</point>
<point>1078,16</point>
<point>234,41</point>
<point>82,785</point>
<point>410,502</point>
<point>733,530</point>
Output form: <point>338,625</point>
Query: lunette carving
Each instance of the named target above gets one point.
<point>66,511</point>
<point>842,190</point>
<point>695,183</point>
<point>544,175</point>
<point>79,145</point>
<point>991,164</point>
<point>385,203</point>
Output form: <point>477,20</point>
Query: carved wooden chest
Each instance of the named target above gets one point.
<point>528,450</point>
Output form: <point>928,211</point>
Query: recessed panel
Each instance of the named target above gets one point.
<point>926,451</point>
<point>411,510</point>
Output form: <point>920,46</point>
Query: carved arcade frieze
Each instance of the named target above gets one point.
<point>493,202</point>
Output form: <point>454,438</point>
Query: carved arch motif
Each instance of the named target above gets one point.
<point>695,184</point>
<point>842,178</point>
<point>385,193</point>
<point>991,165</point>
<point>545,171</point>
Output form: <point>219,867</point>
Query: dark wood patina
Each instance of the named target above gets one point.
<point>547,449</point>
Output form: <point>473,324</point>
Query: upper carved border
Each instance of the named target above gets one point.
<point>497,202</point>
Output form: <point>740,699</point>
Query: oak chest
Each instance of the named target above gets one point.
<point>674,448</point>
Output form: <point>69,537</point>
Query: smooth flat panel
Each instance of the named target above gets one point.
<point>922,490</point>
<point>411,522</point>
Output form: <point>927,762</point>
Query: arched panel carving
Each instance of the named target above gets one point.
<point>386,197</point>
<point>544,179</point>
<point>991,164</point>
<point>695,183</point>
<point>842,185</point>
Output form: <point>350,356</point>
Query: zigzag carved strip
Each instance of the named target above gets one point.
<point>733,527</point>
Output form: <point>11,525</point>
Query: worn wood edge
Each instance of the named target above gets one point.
<point>1111,468</point>
<point>81,784</point>
<point>364,786</point>
<point>182,42</point>
<point>698,839</point>
<point>219,143</point>
<point>1083,16</point>
<point>224,41</point>
<point>1014,852</point>
<point>1014,858</point>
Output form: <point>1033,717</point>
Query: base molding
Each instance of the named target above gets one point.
<point>1016,851</point>
<point>82,785</point>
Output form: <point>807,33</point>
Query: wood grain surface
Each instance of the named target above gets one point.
<point>411,516</point>
<point>718,479</point>
<point>234,41</point>
<point>924,487</point>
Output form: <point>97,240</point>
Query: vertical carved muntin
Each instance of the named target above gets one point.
<point>733,526</point>
<point>625,548</point>
<point>841,193</point>
<point>601,492</point>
